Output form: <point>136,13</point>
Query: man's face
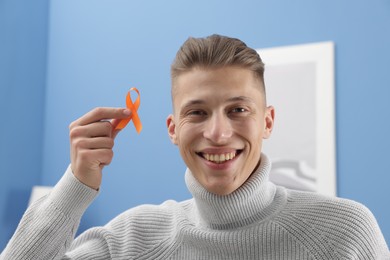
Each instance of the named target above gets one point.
<point>219,121</point>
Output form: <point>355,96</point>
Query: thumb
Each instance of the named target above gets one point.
<point>114,123</point>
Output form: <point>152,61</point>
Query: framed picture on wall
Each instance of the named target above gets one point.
<point>299,83</point>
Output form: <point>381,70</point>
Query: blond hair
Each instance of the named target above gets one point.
<point>216,51</point>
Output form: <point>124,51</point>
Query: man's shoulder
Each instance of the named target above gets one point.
<point>345,225</point>
<point>331,216</point>
<point>322,206</point>
<point>315,201</point>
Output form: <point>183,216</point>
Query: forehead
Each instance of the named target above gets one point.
<point>218,83</point>
<point>209,78</point>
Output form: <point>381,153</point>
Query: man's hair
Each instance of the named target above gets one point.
<point>216,51</point>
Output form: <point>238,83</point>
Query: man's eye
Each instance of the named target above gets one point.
<point>238,110</point>
<point>196,113</point>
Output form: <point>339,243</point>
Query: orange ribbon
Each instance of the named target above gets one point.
<point>134,115</point>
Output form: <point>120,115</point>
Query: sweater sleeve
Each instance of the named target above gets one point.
<point>363,237</point>
<point>334,228</point>
<point>48,227</point>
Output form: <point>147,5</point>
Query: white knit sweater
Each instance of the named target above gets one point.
<point>257,221</point>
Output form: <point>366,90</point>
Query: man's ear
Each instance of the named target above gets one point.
<point>172,129</point>
<point>269,121</point>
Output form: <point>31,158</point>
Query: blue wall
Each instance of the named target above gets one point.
<point>98,49</point>
<point>23,40</point>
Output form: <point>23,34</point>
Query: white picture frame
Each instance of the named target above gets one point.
<point>300,84</point>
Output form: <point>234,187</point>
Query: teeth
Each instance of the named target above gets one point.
<point>219,158</point>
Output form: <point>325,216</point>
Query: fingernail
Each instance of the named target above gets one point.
<point>127,112</point>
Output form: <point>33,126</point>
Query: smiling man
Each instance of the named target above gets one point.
<point>220,119</point>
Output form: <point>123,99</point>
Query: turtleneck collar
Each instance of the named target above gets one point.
<point>247,204</point>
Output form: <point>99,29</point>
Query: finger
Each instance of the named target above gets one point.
<point>115,131</point>
<point>93,143</point>
<point>101,128</point>
<point>104,156</point>
<point>88,167</point>
<point>97,156</point>
<point>102,113</point>
<point>115,122</point>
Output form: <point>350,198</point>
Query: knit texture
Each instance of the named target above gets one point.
<point>257,221</point>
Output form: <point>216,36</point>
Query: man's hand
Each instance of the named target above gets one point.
<point>92,139</point>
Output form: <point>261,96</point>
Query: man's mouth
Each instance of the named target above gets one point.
<point>219,158</point>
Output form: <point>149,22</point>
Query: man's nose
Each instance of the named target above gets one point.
<point>218,129</point>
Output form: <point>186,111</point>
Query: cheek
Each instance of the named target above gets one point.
<point>186,132</point>
<point>252,134</point>
<point>251,128</point>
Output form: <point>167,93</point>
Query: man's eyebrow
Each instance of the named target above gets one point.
<point>241,98</point>
<point>232,99</point>
<point>193,102</point>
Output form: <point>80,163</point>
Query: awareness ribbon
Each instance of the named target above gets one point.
<point>134,115</point>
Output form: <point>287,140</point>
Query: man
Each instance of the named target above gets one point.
<point>219,120</point>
